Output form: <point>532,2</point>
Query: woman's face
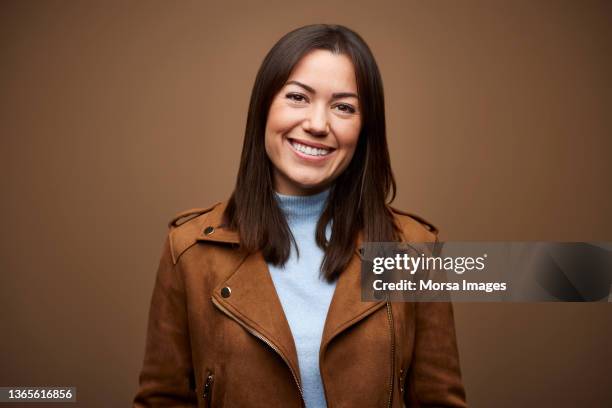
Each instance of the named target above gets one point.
<point>313,124</point>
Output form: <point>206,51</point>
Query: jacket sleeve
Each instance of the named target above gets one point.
<point>434,377</point>
<point>166,378</point>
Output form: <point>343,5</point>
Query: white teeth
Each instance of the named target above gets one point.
<point>311,151</point>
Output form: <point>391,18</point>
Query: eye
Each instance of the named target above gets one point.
<point>345,108</point>
<point>296,97</point>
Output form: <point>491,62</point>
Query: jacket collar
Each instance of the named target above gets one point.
<point>255,303</point>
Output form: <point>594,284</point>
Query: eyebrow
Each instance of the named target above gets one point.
<point>310,89</point>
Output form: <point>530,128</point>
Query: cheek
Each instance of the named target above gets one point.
<point>281,118</point>
<point>275,124</point>
<point>348,135</point>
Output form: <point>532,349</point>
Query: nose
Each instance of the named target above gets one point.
<point>316,122</point>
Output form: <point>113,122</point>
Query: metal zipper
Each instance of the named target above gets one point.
<point>265,340</point>
<point>402,378</point>
<point>210,378</point>
<point>392,336</point>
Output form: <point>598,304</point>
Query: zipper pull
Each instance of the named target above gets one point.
<point>208,385</point>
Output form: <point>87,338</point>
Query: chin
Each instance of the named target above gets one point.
<point>309,186</point>
<point>308,183</point>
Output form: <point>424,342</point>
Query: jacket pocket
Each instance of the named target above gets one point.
<point>207,390</point>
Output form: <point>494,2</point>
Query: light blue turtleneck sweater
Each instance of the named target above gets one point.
<point>304,296</point>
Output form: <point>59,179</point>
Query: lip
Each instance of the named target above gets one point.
<point>311,144</point>
<point>305,157</point>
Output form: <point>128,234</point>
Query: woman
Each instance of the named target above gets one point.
<point>240,316</point>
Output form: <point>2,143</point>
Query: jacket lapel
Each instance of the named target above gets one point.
<point>254,302</point>
<point>252,299</point>
<point>346,308</point>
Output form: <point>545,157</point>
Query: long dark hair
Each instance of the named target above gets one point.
<point>357,199</point>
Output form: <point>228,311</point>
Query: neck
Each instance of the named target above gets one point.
<point>302,206</point>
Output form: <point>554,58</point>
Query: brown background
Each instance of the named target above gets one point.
<point>116,115</point>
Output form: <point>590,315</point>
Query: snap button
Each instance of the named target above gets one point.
<point>209,230</point>
<point>226,292</point>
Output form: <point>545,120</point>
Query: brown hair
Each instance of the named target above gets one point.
<point>356,200</point>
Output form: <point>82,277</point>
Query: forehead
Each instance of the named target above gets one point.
<point>325,71</point>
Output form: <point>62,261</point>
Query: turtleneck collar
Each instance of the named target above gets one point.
<point>302,207</point>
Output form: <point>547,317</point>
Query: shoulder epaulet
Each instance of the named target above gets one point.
<point>187,215</point>
<point>185,228</point>
<point>426,224</point>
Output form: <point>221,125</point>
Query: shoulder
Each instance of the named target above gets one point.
<point>414,228</point>
<point>186,227</point>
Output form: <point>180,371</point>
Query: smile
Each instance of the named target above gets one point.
<point>309,150</point>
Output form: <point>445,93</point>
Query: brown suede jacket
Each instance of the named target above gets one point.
<point>217,335</point>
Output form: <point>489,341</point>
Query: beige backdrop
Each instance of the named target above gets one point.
<point>116,115</point>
